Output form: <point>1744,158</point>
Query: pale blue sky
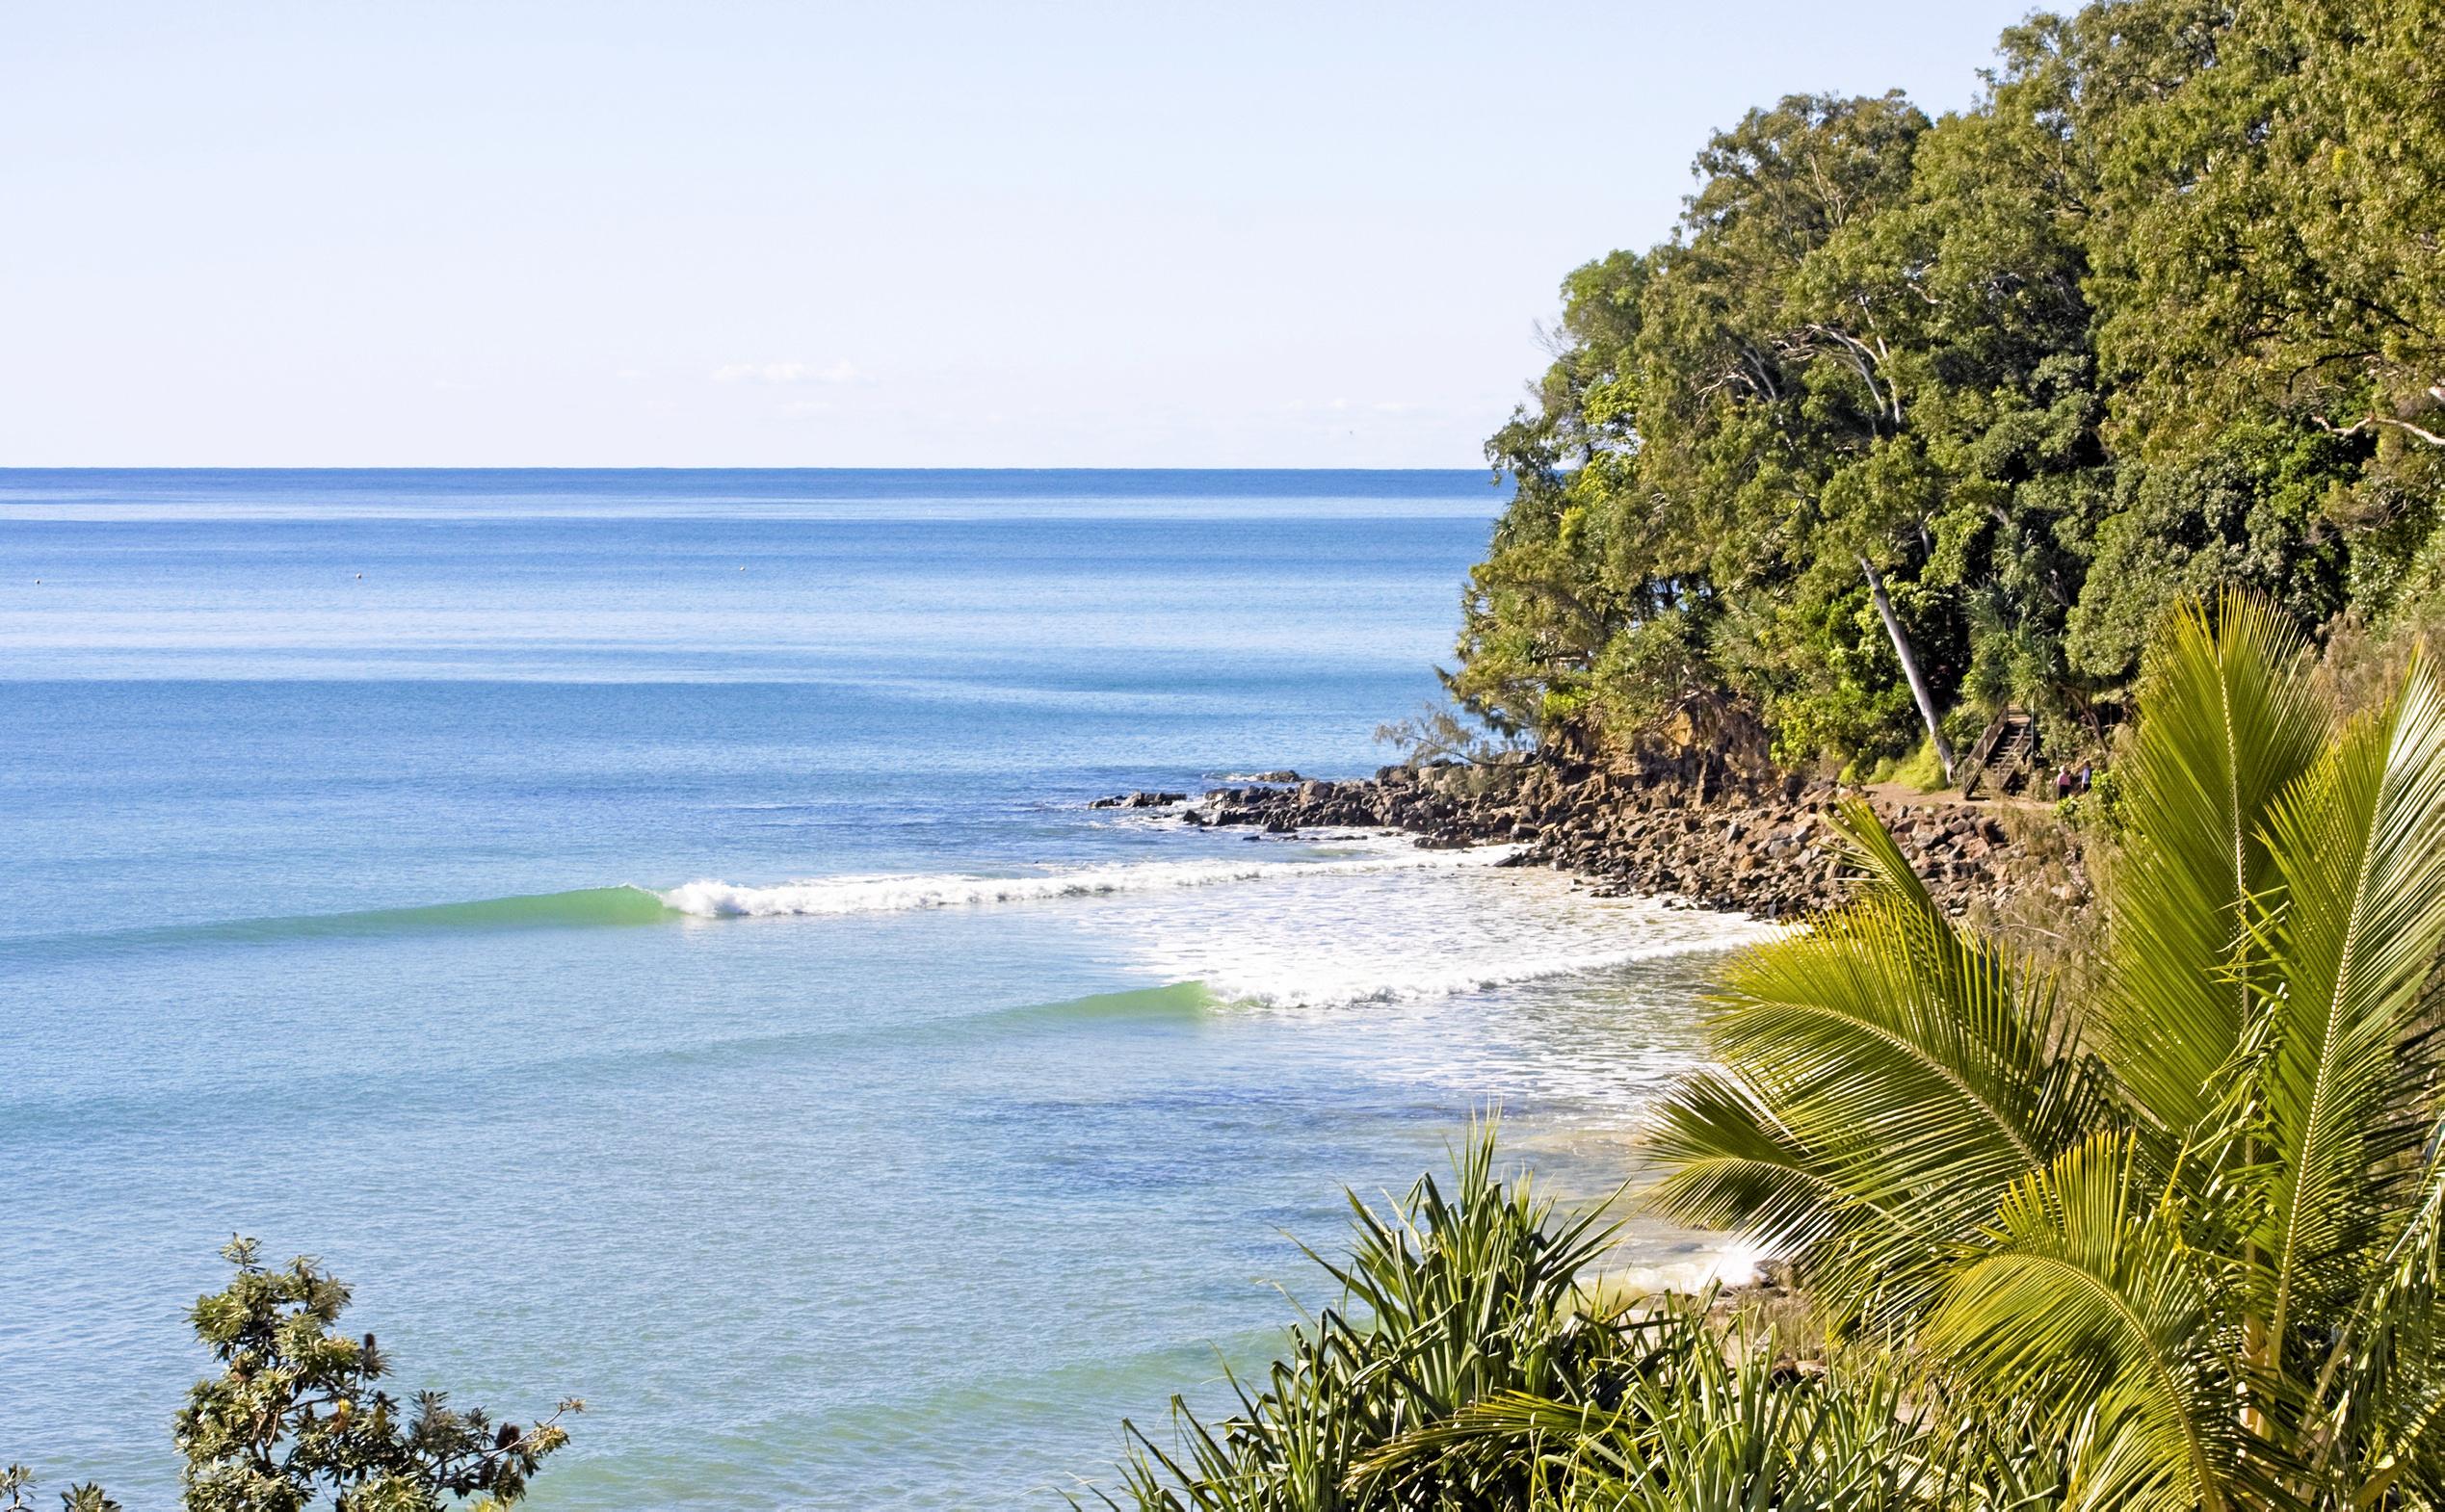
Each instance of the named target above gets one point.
<point>705,232</point>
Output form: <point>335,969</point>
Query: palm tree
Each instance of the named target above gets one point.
<point>2187,1226</point>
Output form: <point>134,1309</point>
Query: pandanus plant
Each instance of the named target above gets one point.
<point>2184,1222</point>
<point>1449,1296</point>
<point>1476,1364</point>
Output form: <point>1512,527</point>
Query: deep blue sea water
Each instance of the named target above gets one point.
<point>646,932</point>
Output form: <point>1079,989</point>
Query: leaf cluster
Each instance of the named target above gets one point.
<point>2163,313</point>
<point>1475,1364</point>
<point>298,1414</point>
<point>2186,1227</point>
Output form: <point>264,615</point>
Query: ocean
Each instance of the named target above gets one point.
<point>647,932</point>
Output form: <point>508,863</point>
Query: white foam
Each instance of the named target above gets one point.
<point>1387,937</point>
<point>896,892</point>
<point>1732,1264</point>
<point>1327,921</point>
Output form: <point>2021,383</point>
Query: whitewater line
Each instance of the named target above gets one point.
<point>1317,985</point>
<point>712,899</point>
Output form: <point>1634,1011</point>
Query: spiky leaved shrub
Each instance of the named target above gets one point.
<point>1471,1364</point>
<point>1447,1298</point>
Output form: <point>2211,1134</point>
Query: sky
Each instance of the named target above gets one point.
<point>894,233</point>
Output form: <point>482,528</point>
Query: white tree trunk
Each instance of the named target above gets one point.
<point>1910,666</point>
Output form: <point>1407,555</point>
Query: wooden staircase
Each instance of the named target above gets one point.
<point>2000,761</point>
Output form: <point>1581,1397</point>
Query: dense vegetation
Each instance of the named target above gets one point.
<point>298,1417</point>
<point>2175,1240</point>
<point>2192,1222</point>
<point>2164,313</point>
<point>2120,399</point>
<point>1471,1364</point>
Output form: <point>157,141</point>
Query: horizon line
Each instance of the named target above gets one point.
<point>685,467</point>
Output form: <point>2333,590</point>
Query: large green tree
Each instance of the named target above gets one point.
<point>1908,421</point>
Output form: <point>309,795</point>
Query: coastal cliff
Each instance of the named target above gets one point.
<point>1681,827</point>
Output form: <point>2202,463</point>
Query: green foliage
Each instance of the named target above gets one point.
<point>2164,313</point>
<point>1918,770</point>
<point>2188,1229</point>
<point>298,1414</point>
<point>2243,513</point>
<point>2297,266</point>
<point>1446,1300</point>
<point>1463,729</point>
<point>2097,814</point>
<point>1701,1413</point>
<point>1435,733</point>
<point>1472,1365</point>
<point>16,1481</point>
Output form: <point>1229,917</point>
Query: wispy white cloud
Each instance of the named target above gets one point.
<point>782,373</point>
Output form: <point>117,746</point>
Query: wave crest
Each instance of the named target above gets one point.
<point>712,899</point>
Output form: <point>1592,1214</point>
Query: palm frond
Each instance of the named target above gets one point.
<point>2229,719</point>
<point>1884,870</point>
<point>1913,1072</point>
<point>2380,1393</point>
<point>2359,845</point>
<point>1729,1166</point>
<point>2085,1303</point>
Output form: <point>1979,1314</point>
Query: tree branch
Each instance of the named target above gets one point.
<point>2432,437</point>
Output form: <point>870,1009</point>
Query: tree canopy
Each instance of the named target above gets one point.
<point>2163,313</point>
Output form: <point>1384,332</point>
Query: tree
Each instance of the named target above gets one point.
<point>2297,264</point>
<point>298,1413</point>
<point>1911,420</point>
<point>2195,1230</point>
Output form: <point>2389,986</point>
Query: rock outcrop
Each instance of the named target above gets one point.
<point>1680,827</point>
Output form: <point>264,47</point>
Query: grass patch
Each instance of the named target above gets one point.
<point>1919,769</point>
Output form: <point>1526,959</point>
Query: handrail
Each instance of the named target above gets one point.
<point>1986,746</point>
<point>1983,752</point>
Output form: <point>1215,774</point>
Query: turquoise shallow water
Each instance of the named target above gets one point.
<point>646,932</point>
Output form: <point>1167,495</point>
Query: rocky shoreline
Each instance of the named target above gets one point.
<point>1682,827</point>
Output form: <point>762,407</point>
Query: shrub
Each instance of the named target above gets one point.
<point>297,1412</point>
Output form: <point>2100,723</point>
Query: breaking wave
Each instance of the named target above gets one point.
<point>892,893</point>
<point>1371,920</point>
